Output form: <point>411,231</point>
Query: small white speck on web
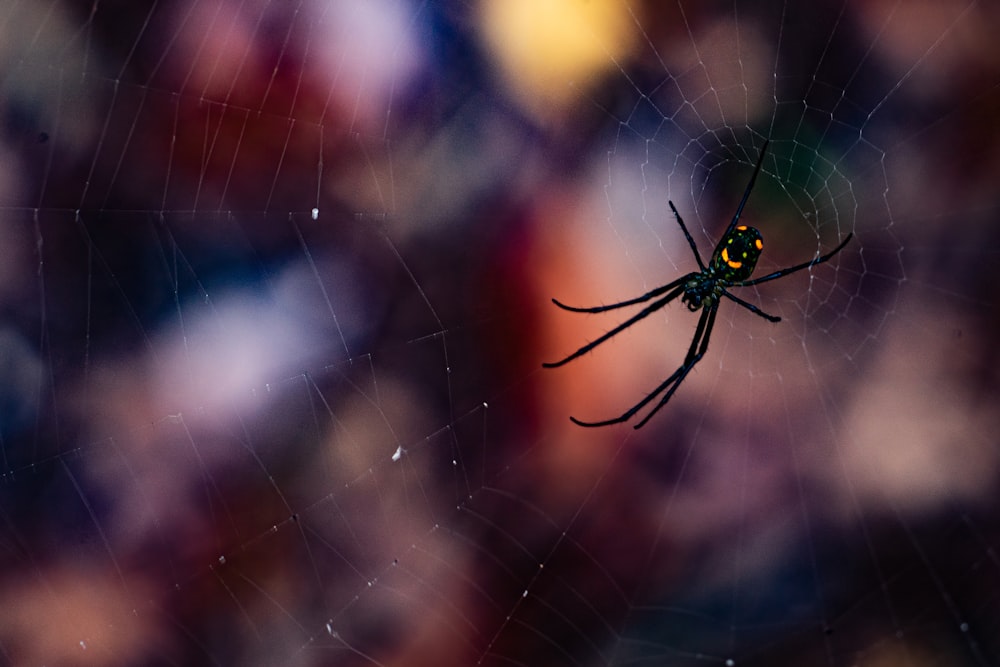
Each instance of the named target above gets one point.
<point>315,214</point>
<point>398,454</point>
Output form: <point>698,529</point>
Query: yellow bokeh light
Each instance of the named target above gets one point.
<point>550,50</point>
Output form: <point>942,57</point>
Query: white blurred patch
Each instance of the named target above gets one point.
<point>238,342</point>
<point>212,365</point>
<point>218,353</point>
<point>369,52</point>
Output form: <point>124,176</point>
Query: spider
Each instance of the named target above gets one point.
<point>732,263</point>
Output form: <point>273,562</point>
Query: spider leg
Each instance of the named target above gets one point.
<point>797,267</point>
<point>746,193</point>
<point>653,307</point>
<point>752,308</point>
<point>621,304</point>
<point>705,323</point>
<point>687,235</point>
<point>689,362</point>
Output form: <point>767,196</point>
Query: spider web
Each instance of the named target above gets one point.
<point>275,291</point>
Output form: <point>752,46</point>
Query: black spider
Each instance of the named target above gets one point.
<point>732,264</point>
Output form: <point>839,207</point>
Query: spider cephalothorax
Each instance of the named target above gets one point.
<point>733,260</point>
<point>731,265</point>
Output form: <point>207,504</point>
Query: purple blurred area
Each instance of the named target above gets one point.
<point>275,284</point>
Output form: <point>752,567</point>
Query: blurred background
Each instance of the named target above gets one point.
<point>275,284</point>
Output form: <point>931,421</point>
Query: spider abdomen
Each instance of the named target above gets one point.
<point>736,256</point>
